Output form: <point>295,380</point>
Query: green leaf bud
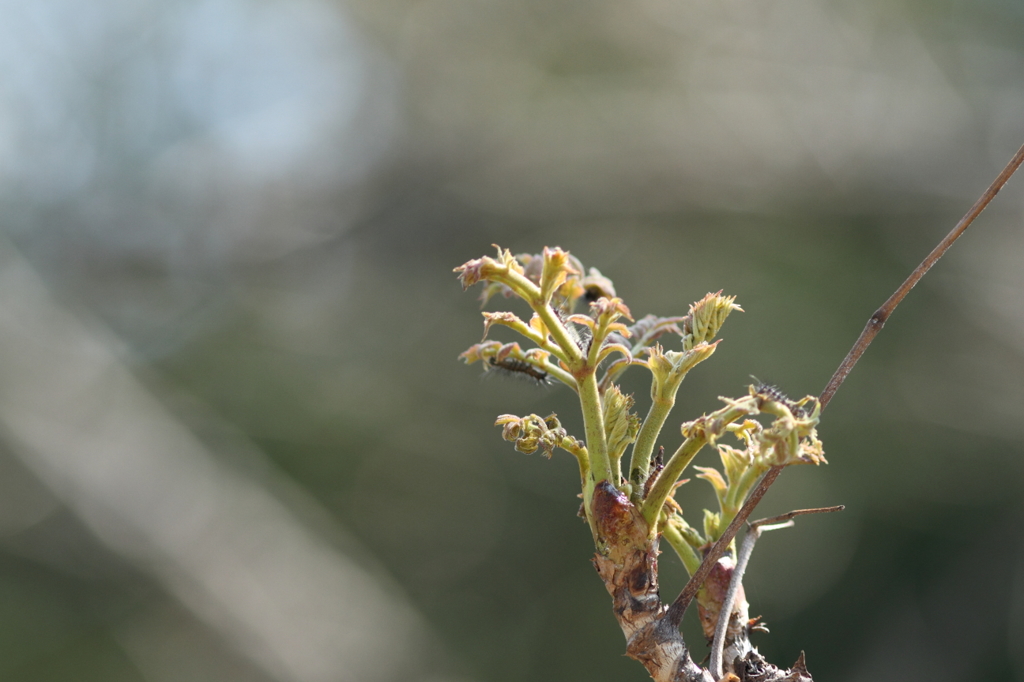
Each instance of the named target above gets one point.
<point>620,425</point>
<point>706,317</point>
<point>712,525</point>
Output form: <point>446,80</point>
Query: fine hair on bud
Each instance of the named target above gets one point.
<point>578,334</point>
<point>518,369</point>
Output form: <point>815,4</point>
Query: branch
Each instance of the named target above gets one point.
<point>879,318</point>
<point>746,549</point>
<point>678,608</point>
<point>705,429</point>
<point>874,325</point>
<point>593,423</point>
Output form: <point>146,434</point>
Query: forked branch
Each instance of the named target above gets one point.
<point>628,515</point>
<point>746,549</point>
<point>874,325</point>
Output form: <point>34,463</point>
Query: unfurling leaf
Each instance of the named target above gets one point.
<point>505,319</point>
<point>620,425</point>
<point>532,433</point>
<point>712,525</point>
<point>706,317</point>
<point>713,477</point>
<point>606,310</point>
<point>556,269</point>
<point>487,268</point>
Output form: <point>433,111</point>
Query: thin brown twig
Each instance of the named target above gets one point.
<point>743,558</point>
<point>880,316</point>
<point>875,323</point>
<point>795,513</point>
<point>678,608</point>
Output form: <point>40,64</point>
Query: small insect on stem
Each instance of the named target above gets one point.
<point>769,391</point>
<point>519,369</point>
<point>775,393</point>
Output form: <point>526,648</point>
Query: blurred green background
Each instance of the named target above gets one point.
<point>235,441</point>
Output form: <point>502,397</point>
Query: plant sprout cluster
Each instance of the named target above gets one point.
<point>588,351</point>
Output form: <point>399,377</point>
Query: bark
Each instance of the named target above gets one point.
<point>627,562</point>
<point>709,604</point>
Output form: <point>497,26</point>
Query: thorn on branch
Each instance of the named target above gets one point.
<point>746,549</point>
